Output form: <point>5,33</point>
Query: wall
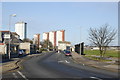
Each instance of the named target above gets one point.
<point>62,46</point>
<point>25,46</point>
<point>60,36</point>
<point>45,36</point>
<point>3,48</point>
<point>0,36</point>
<point>52,37</point>
<point>37,40</point>
<point>20,29</point>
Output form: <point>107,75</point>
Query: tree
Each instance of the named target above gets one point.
<point>47,44</point>
<point>101,37</point>
<point>27,40</point>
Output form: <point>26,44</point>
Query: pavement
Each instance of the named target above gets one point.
<point>13,64</point>
<point>102,65</point>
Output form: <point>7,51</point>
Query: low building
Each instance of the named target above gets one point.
<point>72,48</point>
<point>79,48</point>
<point>64,45</point>
<point>3,48</point>
<point>5,37</point>
<point>25,47</point>
<point>0,37</point>
<point>16,35</point>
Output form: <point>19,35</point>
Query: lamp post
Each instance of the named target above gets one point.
<point>13,15</point>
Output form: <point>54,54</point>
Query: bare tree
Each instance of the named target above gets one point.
<point>101,37</point>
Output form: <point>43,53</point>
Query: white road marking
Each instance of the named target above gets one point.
<point>67,61</point>
<point>64,61</point>
<point>14,75</point>
<point>22,75</point>
<point>96,78</point>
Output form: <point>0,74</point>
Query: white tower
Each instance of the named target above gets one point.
<point>46,36</point>
<point>21,29</point>
<point>52,37</point>
<point>60,36</point>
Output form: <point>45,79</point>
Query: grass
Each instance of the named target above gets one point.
<point>109,53</point>
<point>97,58</point>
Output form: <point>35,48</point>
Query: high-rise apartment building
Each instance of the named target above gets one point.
<point>21,29</point>
<point>46,36</point>
<point>52,37</point>
<point>60,36</point>
<point>37,40</point>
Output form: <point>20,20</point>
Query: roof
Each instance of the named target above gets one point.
<point>4,31</point>
<point>64,42</point>
<point>21,22</point>
<point>46,32</point>
<point>14,33</point>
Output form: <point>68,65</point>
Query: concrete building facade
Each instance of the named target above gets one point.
<point>21,29</point>
<point>25,47</point>
<point>46,36</point>
<point>36,39</point>
<point>60,36</point>
<point>3,48</point>
<point>52,37</point>
<point>64,45</point>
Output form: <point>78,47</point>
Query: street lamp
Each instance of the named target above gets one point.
<point>13,15</point>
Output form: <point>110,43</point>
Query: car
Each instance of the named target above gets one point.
<point>21,52</point>
<point>68,53</point>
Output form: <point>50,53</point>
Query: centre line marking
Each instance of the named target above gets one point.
<point>22,75</point>
<point>14,75</point>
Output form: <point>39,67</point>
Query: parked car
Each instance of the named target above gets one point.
<point>21,52</point>
<point>68,53</point>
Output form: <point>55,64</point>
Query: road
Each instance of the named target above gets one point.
<point>57,65</point>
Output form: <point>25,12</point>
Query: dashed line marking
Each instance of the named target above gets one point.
<point>14,75</point>
<point>22,75</point>
<point>96,78</point>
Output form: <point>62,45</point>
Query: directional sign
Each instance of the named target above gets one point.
<point>7,36</point>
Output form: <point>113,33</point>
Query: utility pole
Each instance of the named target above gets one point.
<point>13,15</point>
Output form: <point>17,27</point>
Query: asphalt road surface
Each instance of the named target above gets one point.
<point>58,66</point>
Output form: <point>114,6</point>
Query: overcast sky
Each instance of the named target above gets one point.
<point>74,17</point>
